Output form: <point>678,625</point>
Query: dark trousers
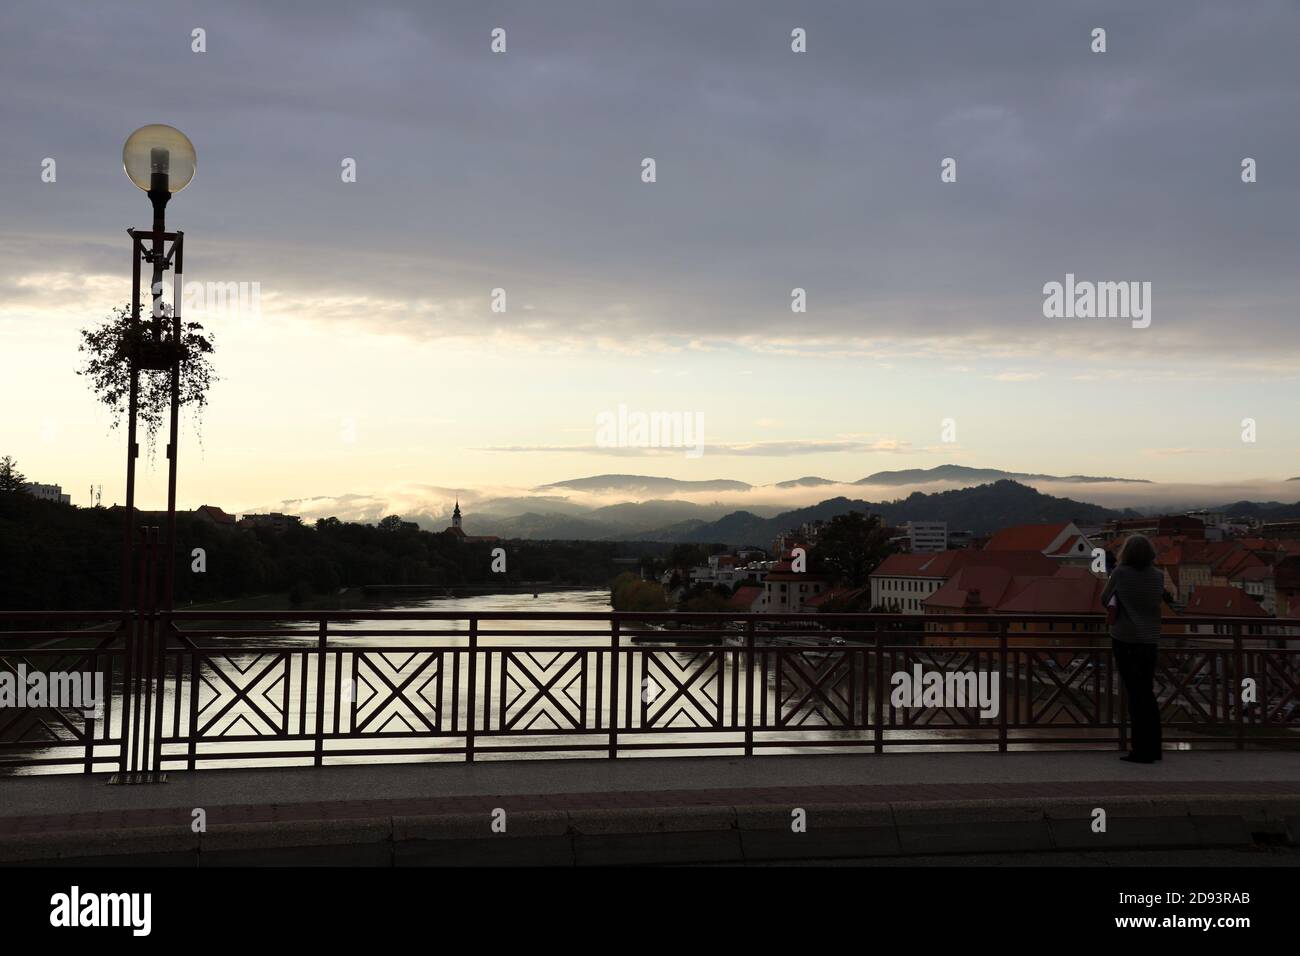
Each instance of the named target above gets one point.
<point>1136,664</point>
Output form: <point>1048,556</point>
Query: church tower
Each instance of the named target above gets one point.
<point>455,515</point>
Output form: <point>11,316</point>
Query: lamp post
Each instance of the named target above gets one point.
<point>161,161</point>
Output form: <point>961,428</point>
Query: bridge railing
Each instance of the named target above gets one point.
<point>194,689</point>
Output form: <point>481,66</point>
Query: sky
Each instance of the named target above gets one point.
<point>375,365</point>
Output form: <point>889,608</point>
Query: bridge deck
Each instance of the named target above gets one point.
<point>68,816</point>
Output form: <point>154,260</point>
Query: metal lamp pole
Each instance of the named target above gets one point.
<point>161,161</point>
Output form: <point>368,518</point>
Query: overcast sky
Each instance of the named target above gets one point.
<point>376,361</point>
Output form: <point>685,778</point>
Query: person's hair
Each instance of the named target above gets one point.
<point>1138,552</point>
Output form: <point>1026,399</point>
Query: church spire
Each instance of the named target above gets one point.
<point>455,515</point>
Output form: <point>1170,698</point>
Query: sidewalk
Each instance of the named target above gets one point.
<point>703,809</point>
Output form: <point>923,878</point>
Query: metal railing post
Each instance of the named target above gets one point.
<point>322,640</point>
<point>195,664</point>
<point>88,762</point>
<point>1239,670</point>
<point>749,688</point>
<point>127,633</point>
<point>1002,686</point>
<point>613,688</point>
<point>878,706</point>
<point>472,691</point>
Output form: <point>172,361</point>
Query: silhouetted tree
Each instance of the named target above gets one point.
<point>850,548</point>
<point>11,479</point>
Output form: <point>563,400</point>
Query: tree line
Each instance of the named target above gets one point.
<point>63,557</point>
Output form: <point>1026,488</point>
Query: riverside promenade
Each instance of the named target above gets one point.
<point>1233,806</point>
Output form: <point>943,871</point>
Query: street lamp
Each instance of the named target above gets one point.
<point>161,161</point>
<point>158,150</point>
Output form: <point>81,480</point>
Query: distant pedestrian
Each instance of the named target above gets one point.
<point>1137,587</point>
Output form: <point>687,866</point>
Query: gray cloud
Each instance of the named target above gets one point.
<point>775,170</point>
<point>772,449</point>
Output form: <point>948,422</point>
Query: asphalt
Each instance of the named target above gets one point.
<point>892,807</point>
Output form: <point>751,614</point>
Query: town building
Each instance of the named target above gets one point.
<point>748,598</point>
<point>926,536</point>
<point>215,515</point>
<point>1210,600</point>
<point>787,590</point>
<point>275,521</point>
<point>47,492</point>
<point>1259,583</point>
<point>804,536</point>
<point>902,582</point>
<point>456,531</point>
<point>1183,525</point>
<point>1280,529</point>
<point>1062,541</point>
<point>978,590</point>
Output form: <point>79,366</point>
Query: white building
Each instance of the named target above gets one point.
<point>47,492</point>
<point>927,535</point>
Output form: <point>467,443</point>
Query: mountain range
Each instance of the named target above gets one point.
<point>961,473</point>
<point>645,484</point>
<point>979,509</point>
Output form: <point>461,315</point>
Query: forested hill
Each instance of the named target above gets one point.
<point>980,509</point>
<point>55,556</point>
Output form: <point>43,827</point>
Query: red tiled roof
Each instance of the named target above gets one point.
<point>1236,562</point>
<point>1207,553</point>
<point>847,594</point>
<point>1059,594</point>
<point>783,570</point>
<point>1026,537</point>
<point>1259,544</point>
<point>1259,572</point>
<point>1214,600</point>
<point>745,597</point>
<point>944,564</point>
<point>1066,591</point>
<point>992,583</point>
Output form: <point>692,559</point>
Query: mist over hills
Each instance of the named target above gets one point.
<point>980,509</point>
<point>643,507</point>
<point>1261,510</point>
<point>807,482</point>
<point>961,473</point>
<point>644,484</point>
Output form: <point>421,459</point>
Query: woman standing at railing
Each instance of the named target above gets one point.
<point>1137,587</point>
